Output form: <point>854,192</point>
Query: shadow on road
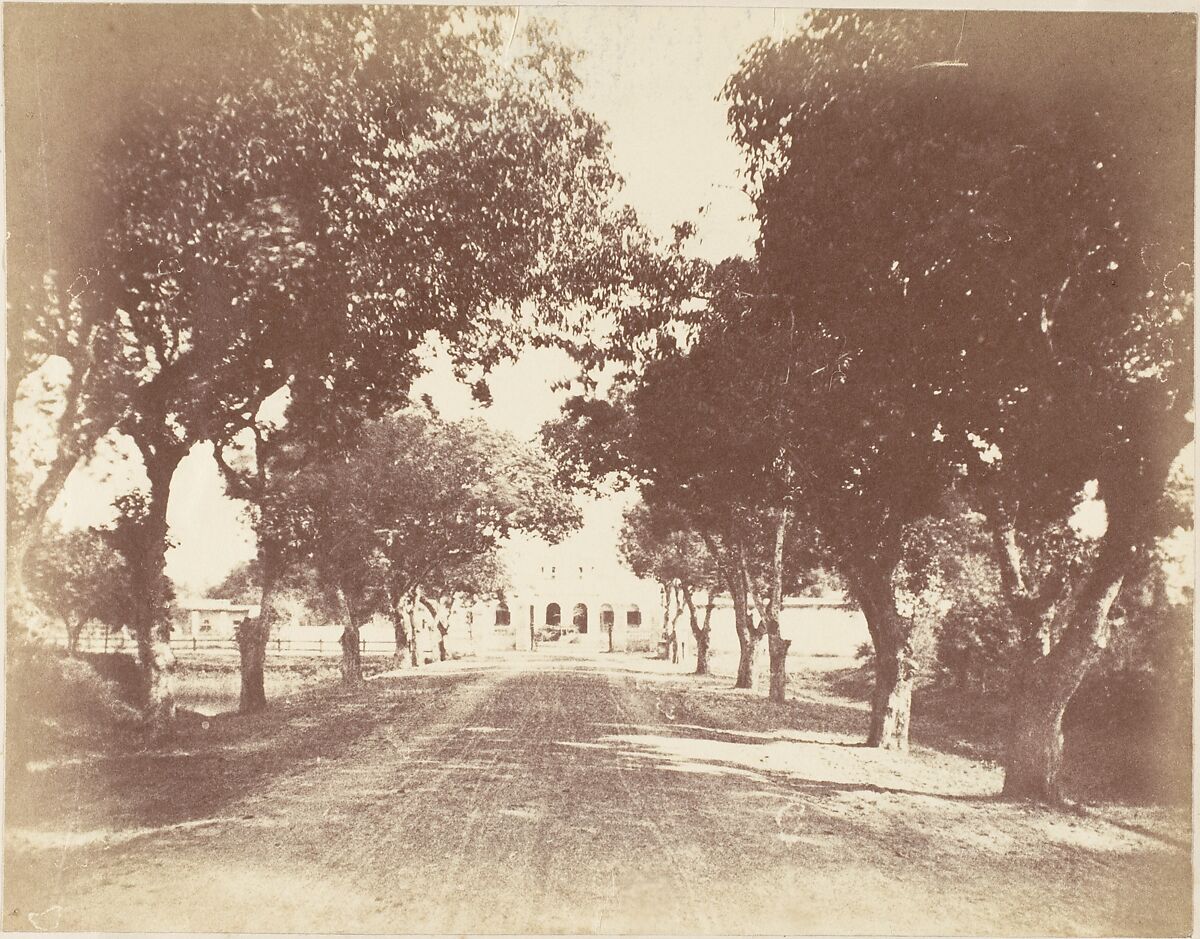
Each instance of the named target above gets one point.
<point>799,760</point>
<point>561,795</point>
<point>208,763</point>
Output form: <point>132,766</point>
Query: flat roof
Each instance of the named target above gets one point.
<point>206,604</point>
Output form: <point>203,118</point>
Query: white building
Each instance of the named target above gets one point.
<point>579,592</point>
<point>209,618</point>
<point>569,598</point>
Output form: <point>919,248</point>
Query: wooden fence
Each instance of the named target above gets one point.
<point>185,645</point>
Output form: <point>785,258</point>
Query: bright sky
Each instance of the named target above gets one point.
<point>652,75</point>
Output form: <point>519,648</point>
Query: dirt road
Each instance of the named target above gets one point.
<point>536,794</point>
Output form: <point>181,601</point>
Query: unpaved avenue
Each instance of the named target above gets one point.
<point>541,794</point>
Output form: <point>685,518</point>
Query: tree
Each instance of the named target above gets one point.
<point>242,584</point>
<point>1135,695</point>
<point>258,464</point>
<point>687,429</point>
<point>236,258</point>
<point>658,544</point>
<point>716,424</point>
<point>1011,302</point>
<point>77,576</point>
<point>293,595</point>
<point>57,272</point>
<point>416,509</point>
<point>56,330</point>
<point>119,308</point>
<point>323,515</point>
<point>463,585</point>
<point>451,213</point>
<point>128,536</point>
<point>464,489</point>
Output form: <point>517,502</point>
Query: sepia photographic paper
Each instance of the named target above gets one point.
<point>620,470</point>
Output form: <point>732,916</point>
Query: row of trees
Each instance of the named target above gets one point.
<point>657,545</point>
<point>972,286</point>
<point>407,518</point>
<point>410,515</point>
<point>282,229</point>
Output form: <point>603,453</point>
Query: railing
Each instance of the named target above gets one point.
<point>226,644</point>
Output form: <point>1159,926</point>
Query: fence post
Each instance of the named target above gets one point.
<point>106,640</point>
<point>193,643</point>
<point>320,646</point>
<point>278,644</point>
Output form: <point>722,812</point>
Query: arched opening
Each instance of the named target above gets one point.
<point>607,617</point>
<point>633,616</point>
<point>579,618</point>
<point>503,616</point>
<point>553,615</point>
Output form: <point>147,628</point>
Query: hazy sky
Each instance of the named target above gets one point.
<point>652,75</point>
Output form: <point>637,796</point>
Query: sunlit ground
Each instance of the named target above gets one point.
<point>563,792</point>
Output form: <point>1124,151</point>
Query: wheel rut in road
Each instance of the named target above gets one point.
<point>543,794</point>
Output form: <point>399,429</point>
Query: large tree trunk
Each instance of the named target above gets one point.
<point>1033,757</point>
<point>1062,635</point>
<point>891,699</point>
<point>748,634</point>
<point>674,637</point>
<point>400,631</point>
<point>1033,760</point>
<point>895,666</point>
<point>401,636</point>
<point>153,599</point>
<point>777,647</point>
<point>158,666</point>
<point>352,672</point>
<point>730,560</point>
<point>252,638</point>
<point>73,631</point>
<point>351,641</point>
<point>413,655</point>
<point>440,612</point>
<point>702,634</point>
<point>702,639</point>
<point>747,648</point>
<point>666,629</point>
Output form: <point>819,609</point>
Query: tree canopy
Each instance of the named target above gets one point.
<point>418,504</point>
<point>993,259</point>
<point>299,220</point>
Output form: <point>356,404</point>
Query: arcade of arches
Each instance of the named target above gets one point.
<point>581,618</point>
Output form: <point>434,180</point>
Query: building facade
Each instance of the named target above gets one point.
<point>203,617</point>
<point>566,598</point>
